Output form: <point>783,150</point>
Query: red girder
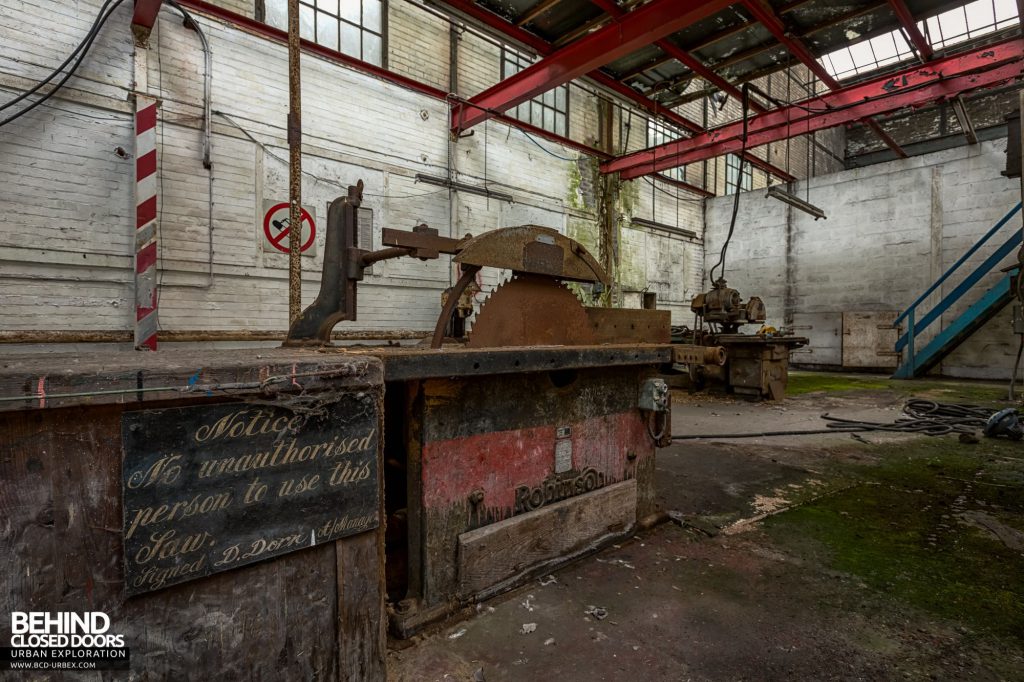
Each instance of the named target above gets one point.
<point>471,9</point>
<point>681,56</point>
<point>629,33</point>
<point>543,48</point>
<point>985,67</point>
<point>764,14</point>
<point>686,186</point>
<point>281,37</point>
<point>144,16</point>
<point>902,12</point>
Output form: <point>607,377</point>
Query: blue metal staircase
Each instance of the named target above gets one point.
<point>918,361</point>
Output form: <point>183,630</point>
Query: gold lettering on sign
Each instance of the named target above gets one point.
<point>247,424</point>
<point>163,471</point>
<point>167,545</point>
<point>212,488</point>
<point>200,504</point>
<point>155,577</point>
<point>344,473</point>
<point>283,454</point>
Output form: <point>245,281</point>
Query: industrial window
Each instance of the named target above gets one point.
<point>355,27</point>
<point>948,28</point>
<point>732,167</point>
<point>659,133</point>
<point>969,21</point>
<point>549,111</point>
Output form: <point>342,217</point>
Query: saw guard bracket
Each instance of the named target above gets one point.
<point>528,249</point>
<point>533,249</point>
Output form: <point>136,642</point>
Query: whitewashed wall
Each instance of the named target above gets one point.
<point>892,230</point>
<point>66,183</point>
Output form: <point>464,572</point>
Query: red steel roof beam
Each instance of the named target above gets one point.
<point>682,56</point>
<point>144,18</point>
<point>685,186</point>
<point>985,67</point>
<point>633,31</point>
<point>902,12</point>
<point>544,48</point>
<point>764,14</point>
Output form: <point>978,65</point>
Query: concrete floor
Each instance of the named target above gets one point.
<point>789,558</point>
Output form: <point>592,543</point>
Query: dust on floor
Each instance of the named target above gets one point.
<point>804,558</point>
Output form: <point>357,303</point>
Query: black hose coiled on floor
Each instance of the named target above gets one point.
<point>924,417</point>
<point>921,417</point>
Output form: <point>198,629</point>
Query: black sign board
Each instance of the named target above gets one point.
<point>214,487</point>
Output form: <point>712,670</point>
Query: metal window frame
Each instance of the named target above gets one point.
<point>260,13</point>
<point>732,166</point>
<point>523,60</point>
<point>658,128</point>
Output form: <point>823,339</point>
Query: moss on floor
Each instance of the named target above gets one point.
<point>981,393</point>
<point>934,524</point>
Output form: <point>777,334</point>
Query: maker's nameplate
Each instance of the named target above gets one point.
<point>214,487</point>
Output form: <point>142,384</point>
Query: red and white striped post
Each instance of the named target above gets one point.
<point>145,223</point>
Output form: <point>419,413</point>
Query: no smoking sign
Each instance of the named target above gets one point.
<point>275,231</point>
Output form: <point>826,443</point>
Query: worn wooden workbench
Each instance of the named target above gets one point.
<point>68,490</point>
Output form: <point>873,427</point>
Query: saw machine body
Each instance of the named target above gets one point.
<point>532,308</point>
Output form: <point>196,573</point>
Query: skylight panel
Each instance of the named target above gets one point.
<point>954,24</point>
<point>949,28</point>
<point>1006,11</point>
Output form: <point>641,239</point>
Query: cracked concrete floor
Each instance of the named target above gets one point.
<point>796,558</point>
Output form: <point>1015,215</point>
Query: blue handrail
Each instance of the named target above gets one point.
<point>966,285</point>
<point>953,268</point>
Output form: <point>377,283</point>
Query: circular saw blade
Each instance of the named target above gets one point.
<point>531,310</point>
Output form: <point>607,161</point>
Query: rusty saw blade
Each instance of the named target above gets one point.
<point>531,310</point>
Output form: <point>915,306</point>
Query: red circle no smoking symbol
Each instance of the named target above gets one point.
<point>277,230</point>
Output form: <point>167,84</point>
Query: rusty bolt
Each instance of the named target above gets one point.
<point>476,497</point>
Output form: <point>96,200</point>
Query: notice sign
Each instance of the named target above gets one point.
<point>210,488</point>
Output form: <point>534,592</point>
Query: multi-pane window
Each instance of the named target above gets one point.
<point>732,169</point>
<point>355,27</point>
<point>953,26</point>
<point>549,111</point>
<point>969,21</point>
<point>658,133</point>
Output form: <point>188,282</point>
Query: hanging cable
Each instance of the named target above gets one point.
<point>81,51</point>
<point>666,192</point>
<point>87,40</point>
<point>333,183</point>
<point>543,148</point>
<point>739,185</point>
<point>192,24</point>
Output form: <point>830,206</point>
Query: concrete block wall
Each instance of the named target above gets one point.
<point>892,229</point>
<point>66,172</point>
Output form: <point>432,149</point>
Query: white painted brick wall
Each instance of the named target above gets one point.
<point>66,238</point>
<point>874,252</point>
